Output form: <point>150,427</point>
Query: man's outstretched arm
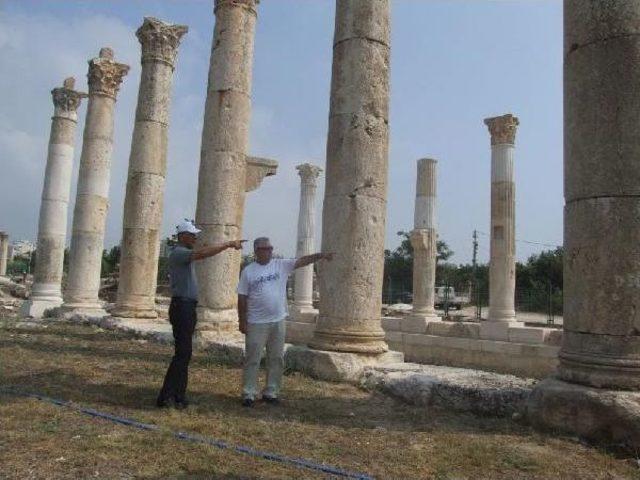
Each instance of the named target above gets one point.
<point>309,259</point>
<point>206,252</point>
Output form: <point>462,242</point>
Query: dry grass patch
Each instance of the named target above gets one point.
<point>324,422</point>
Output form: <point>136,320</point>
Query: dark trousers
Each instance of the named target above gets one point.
<point>182,315</point>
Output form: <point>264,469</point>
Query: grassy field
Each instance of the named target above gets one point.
<point>324,422</point>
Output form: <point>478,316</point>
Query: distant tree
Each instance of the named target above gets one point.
<point>398,267</point>
<point>110,261</point>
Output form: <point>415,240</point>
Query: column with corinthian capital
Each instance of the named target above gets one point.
<point>302,315</point>
<point>147,170</point>
<point>223,161</point>
<point>92,202</point>
<point>502,264</point>
<point>52,226</point>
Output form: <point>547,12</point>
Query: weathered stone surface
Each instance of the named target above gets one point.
<point>222,179</point>
<point>335,366</point>
<point>351,284</point>
<point>4,253</point>
<point>600,112</point>
<point>305,245</point>
<point>458,389</point>
<point>607,417</point>
<point>526,360</point>
<point>502,265</point>
<point>594,22</point>
<point>105,77</point>
<point>354,214</point>
<point>257,169</point>
<point>147,170</point>
<point>46,291</point>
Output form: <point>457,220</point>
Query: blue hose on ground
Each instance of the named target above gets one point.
<point>297,462</point>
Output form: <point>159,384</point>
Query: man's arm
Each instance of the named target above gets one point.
<point>242,313</point>
<point>309,259</point>
<point>206,252</point>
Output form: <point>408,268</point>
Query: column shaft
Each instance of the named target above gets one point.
<point>92,203</point>
<point>4,253</point>
<point>354,212</point>
<point>221,180</point>
<point>303,297</point>
<point>601,340</point>
<point>52,225</point>
<point>502,263</point>
<point>144,199</point>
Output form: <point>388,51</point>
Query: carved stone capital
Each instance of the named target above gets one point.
<point>65,99</point>
<point>160,40</point>
<point>250,5</point>
<point>308,173</point>
<point>257,169</point>
<point>105,74</point>
<point>502,129</point>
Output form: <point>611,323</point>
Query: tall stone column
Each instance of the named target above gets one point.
<point>424,242</point>
<point>354,212</point>
<point>92,202</point>
<point>52,226</point>
<point>303,297</point>
<point>147,171</point>
<point>502,264</point>
<point>596,395</point>
<point>222,176</point>
<point>4,253</point>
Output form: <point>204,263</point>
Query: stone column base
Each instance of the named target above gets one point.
<point>35,306</point>
<point>336,366</point>
<point>606,417</point>
<point>417,322</point>
<point>94,310</point>
<point>303,312</point>
<point>497,329</point>
<point>219,322</point>
<point>130,312</point>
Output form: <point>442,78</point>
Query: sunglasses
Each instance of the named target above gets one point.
<point>264,248</point>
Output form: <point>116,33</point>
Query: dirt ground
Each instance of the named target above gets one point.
<point>336,424</point>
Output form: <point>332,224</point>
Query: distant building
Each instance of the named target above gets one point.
<point>21,248</point>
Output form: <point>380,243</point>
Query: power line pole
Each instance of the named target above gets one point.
<point>474,262</point>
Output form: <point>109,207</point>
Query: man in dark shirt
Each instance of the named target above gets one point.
<point>182,310</point>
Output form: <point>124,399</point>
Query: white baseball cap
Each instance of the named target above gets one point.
<point>187,227</point>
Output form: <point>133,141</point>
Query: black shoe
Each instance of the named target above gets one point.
<point>181,404</point>
<point>248,402</point>
<point>162,402</point>
<point>271,400</point>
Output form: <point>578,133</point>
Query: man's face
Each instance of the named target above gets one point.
<point>263,252</point>
<point>187,239</point>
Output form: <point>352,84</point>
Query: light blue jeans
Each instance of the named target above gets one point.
<point>261,335</point>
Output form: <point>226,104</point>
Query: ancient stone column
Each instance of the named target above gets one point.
<point>354,212</point>
<point>596,395</point>
<point>222,176</point>
<point>424,242</point>
<point>502,264</point>
<point>303,296</point>
<point>92,202</point>
<point>147,170</point>
<point>52,226</point>
<point>4,253</point>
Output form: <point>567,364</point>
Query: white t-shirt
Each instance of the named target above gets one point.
<point>266,289</point>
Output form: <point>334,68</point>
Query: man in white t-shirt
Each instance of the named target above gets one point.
<point>262,309</point>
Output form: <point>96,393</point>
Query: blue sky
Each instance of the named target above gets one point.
<point>454,63</point>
